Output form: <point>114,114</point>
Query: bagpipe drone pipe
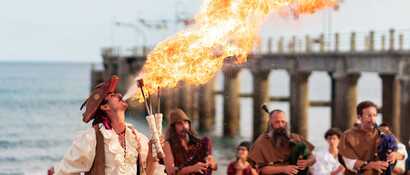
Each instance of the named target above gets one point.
<point>202,150</point>
<point>299,151</point>
<point>387,144</point>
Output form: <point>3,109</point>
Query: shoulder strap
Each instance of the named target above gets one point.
<point>98,167</point>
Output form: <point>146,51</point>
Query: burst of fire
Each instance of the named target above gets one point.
<point>223,28</point>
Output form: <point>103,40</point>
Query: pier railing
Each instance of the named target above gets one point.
<point>345,56</point>
<point>383,40</point>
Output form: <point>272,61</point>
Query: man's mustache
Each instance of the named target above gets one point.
<point>185,131</point>
<point>280,131</point>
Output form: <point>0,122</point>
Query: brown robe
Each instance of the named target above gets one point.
<point>359,144</point>
<point>197,152</point>
<point>264,153</point>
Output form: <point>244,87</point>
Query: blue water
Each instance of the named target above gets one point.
<point>39,111</point>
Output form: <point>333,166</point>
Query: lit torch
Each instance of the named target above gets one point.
<point>154,123</point>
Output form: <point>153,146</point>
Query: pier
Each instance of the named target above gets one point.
<point>343,56</point>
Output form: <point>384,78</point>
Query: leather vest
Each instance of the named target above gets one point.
<point>98,167</point>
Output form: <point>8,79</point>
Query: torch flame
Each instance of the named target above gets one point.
<point>223,28</point>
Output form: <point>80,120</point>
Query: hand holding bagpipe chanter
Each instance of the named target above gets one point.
<point>387,145</point>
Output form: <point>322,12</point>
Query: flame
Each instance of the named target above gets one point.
<point>222,28</point>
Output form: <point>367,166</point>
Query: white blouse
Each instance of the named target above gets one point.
<point>79,158</point>
<point>325,163</point>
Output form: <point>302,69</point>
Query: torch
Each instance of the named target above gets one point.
<point>154,121</point>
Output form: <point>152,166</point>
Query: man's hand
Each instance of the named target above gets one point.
<point>162,141</point>
<point>302,164</point>
<point>290,169</point>
<point>199,167</point>
<point>377,165</point>
<point>394,156</point>
<point>211,162</point>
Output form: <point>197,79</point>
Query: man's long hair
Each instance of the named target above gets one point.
<point>173,138</point>
<point>101,116</point>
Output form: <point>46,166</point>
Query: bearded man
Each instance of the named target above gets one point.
<point>185,153</point>
<point>273,151</point>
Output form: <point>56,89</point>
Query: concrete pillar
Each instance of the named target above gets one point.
<point>405,102</point>
<point>185,99</point>
<point>391,39</point>
<point>292,45</point>
<point>174,97</point>
<point>206,107</point>
<point>299,102</point>
<point>166,101</point>
<point>260,96</point>
<point>353,41</point>
<point>332,99</point>
<point>366,43</point>
<point>401,41</point>
<point>337,42</point>
<point>145,50</point>
<point>371,41</point>
<point>194,92</point>
<point>124,71</point>
<point>280,45</point>
<point>322,43</point>
<point>269,45</point>
<point>345,100</point>
<point>383,43</point>
<point>391,102</point>
<point>308,44</point>
<point>231,103</point>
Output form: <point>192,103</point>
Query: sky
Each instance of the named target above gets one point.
<point>77,30</point>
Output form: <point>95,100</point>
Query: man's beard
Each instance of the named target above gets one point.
<point>184,134</point>
<point>280,137</point>
<point>369,125</point>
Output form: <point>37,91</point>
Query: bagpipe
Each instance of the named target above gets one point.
<point>299,151</point>
<point>200,151</point>
<point>387,144</point>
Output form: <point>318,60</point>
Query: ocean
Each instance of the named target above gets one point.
<point>40,112</point>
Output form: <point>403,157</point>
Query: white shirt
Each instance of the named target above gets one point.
<point>80,156</point>
<point>401,164</point>
<point>325,163</point>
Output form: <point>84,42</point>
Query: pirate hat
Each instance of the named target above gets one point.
<point>97,97</point>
